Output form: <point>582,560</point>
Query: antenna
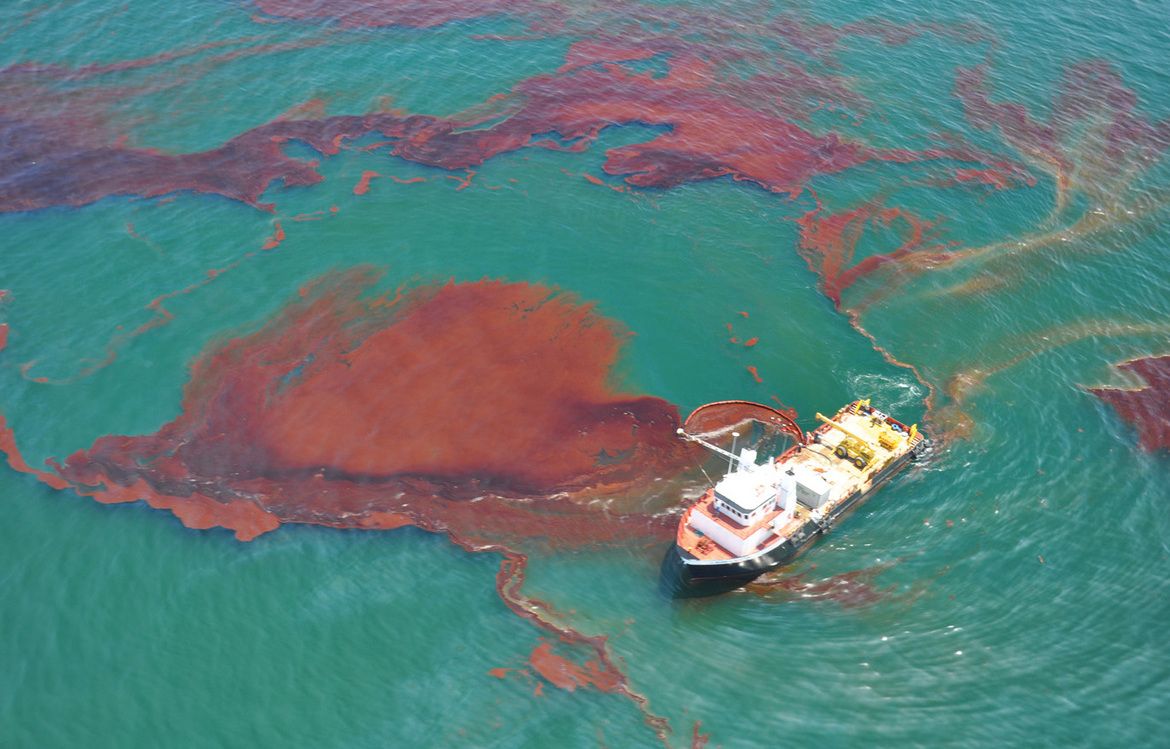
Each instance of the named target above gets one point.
<point>704,470</point>
<point>734,438</point>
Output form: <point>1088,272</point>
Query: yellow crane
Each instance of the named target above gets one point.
<point>854,448</point>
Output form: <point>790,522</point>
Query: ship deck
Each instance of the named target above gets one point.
<point>818,457</point>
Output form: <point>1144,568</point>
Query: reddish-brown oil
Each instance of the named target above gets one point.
<point>567,674</point>
<point>363,185</point>
<point>379,410</point>
<point>713,126</point>
<point>829,242</point>
<point>1146,408</point>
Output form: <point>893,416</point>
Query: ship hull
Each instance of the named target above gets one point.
<point>684,576</point>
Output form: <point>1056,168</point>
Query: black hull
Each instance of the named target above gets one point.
<point>685,577</point>
<point>682,579</point>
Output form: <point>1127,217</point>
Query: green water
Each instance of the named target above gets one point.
<point>1023,571</point>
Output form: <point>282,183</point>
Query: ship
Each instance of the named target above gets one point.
<point>763,513</point>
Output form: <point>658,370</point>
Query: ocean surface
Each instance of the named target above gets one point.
<point>956,209</point>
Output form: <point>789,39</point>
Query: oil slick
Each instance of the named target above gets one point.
<point>356,409</point>
<point>431,406</point>
<point>1146,408</point>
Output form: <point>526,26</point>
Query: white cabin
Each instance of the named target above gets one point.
<point>745,497</point>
